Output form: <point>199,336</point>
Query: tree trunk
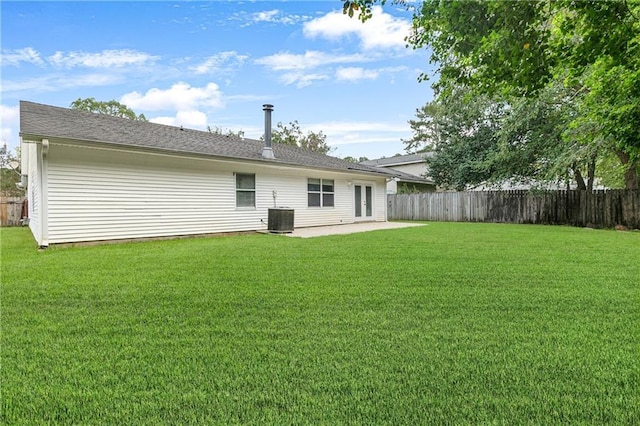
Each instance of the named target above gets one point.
<point>579,178</point>
<point>591,174</point>
<point>631,179</point>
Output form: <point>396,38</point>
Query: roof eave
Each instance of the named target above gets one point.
<point>36,138</point>
<point>421,181</point>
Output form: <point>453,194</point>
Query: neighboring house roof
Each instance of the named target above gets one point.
<point>409,178</point>
<point>397,160</point>
<point>38,121</point>
<point>401,160</point>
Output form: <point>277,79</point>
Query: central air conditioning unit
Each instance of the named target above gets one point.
<point>280,220</point>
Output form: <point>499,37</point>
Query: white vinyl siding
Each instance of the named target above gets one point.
<point>416,169</point>
<point>102,194</point>
<point>380,202</point>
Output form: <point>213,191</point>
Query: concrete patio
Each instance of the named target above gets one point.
<point>351,228</point>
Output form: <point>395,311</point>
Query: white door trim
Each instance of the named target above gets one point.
<point>364,205</point>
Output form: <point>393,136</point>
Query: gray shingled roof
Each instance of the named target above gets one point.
<point>38,121</point>
<point>397,160</point>
<point>408,177</point>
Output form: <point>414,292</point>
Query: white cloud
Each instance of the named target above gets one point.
<point>17,56</point>
<point>271,16</point>
<point>268,16</point>
<point>247,98</point>
<point>382,31</point>
<point>104,59</point>
<point>180,96</point>
<point>301,79</point>
<point>57,82</point>
<point>310,59</point>
<point>400,68</point>
<point>356,73</point>
<point>362,132</point>
<point>360,126</point>
<point>359,73</point>
<point>9,115</point>
<point>216,62</point>
<point>9,124</point>
<point>192,119</point>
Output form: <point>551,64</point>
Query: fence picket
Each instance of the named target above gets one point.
<point>601,208</point>
<point>10,211</point>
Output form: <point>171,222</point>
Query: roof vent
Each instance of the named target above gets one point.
<point>267,151</point>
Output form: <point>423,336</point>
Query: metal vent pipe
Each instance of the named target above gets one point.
<point>267,151</point>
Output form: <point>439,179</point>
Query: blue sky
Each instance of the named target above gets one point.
<point>200,64</point>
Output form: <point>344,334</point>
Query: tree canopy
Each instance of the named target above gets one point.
<point>292,134</point>
<point>113,108</point>
<point>9,173</point>
<point>568,71</point>
<point>228,132</point>
<point>354,159</point>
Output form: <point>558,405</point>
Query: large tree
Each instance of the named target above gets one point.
<point>463,136</point>
<point>511,50</point>
<point>113,108</point>
<point>480,139</point>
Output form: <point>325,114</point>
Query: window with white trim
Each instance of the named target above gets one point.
<point>245,190</point>
<point>320,192</point>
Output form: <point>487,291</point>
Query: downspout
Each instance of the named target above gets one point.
<point>44,194</point>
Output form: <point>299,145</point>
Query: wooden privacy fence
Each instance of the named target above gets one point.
<point>11,211</point>
<point>599,209</point>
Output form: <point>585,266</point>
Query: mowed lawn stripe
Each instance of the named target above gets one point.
<point>446,323</point>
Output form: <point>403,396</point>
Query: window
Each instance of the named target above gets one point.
<point>245,190</point>
<point>320,192</point>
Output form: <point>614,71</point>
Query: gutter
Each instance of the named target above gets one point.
<point>118,147</point>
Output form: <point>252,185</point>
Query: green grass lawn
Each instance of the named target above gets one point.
<point>442,324</point>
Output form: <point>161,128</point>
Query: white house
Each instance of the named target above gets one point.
<point>95,177</point>
<point>410,171</point>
